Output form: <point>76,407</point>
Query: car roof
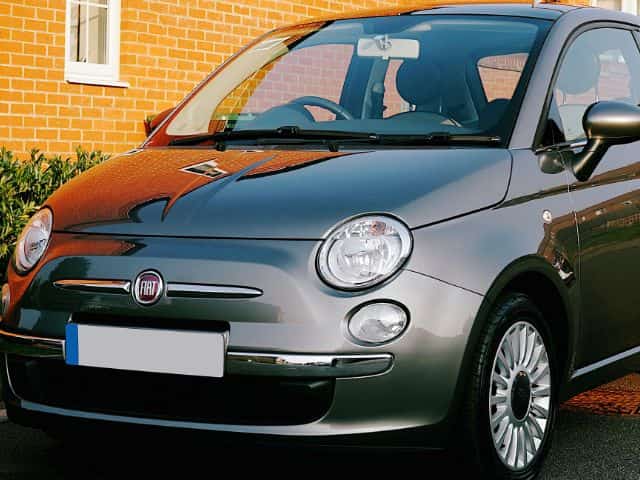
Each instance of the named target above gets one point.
<point>543,10</point>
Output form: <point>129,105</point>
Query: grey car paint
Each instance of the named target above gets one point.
<point>456,272</point>
<point>417,186</point>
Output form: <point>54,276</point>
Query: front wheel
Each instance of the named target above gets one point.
<point>510,410</point>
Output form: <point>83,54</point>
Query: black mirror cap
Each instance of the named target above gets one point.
<point>605,124</point>
<point>613,123</point>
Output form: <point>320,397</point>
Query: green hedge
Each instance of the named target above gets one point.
<point>25,185</point>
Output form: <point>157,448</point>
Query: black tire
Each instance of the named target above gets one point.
<point>478,451</point>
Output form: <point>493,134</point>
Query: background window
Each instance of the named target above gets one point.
<point>610,4</point>
<point>93,42</point>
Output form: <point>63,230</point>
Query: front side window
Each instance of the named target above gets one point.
<point>601,64</point>
<point>92,47</point>
<point>406,75</point>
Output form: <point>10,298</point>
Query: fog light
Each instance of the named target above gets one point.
<point>377,323</point>
<point>6,299</point>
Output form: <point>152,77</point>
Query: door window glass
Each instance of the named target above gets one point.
<point>602,64</point>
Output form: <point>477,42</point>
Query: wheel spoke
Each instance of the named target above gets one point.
<point>514,345</point>
<point>498,400</point>
<point>533,425</point>
<point>507,441</point>
<point>531,342</point>
<point>513,448</point>
<point>539,412</point>
<point>541,391</point>
<point>542,370</point>
<point>522,447</point>
<point>502,429</point>
<point>522,345</point>
<point>500,380</point>
<point>529,438</point>
<point>503,363</point>
<point>535,357</point>
<point>499,415</point>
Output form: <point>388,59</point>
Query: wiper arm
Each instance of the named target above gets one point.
<point>333,138</point>
<point>440,138</point>
<point>286,132</point>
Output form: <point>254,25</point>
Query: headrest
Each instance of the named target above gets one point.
<point>418,81</point>
<point>580,71</point>
<point>493,113</point>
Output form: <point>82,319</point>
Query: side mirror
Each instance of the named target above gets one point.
<point>152,121</point>
<point>606,124</point>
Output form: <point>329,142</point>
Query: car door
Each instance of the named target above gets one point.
<point>603,64</point>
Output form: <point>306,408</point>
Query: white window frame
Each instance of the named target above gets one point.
<point>627,6</point>
<point>93,73</point>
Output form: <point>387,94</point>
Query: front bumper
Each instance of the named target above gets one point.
<point>236,363</point>
<point>293,330</point>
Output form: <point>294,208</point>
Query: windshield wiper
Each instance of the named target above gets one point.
<point>439,138</point>
<point>331,137</point>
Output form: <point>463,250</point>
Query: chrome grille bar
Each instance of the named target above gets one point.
<point>88,285</point>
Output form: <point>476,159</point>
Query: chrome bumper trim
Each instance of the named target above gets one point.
<point>305,365</point>
<point>31,346</point>
<point>236,363</point>
<point>221,291</point>
<point>86,285</point>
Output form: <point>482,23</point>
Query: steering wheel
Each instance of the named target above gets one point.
<point>325,103</point>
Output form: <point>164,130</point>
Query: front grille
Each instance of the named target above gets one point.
<point>239,400</point>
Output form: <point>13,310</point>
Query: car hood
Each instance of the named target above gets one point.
<point>297,194</point>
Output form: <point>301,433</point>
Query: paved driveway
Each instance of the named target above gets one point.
<point>588,445</point>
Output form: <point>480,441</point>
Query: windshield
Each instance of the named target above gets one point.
<point>406,75</point>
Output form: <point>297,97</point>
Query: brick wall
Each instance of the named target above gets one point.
<point>167,46</point>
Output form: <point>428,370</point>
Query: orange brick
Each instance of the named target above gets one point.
<point>25,12</point>
<point>23,132</point>
<point>22,108</point>
<point>58,122</point>
<point>36,122</point>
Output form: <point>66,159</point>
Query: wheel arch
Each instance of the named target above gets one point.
<point>535,277</point>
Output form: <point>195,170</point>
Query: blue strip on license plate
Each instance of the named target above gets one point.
<point>71,344</point>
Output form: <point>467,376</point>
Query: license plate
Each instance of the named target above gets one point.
<point>146,350</point>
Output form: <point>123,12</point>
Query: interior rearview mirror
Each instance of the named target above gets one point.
<point>385,47</point>
<point>605,124</point>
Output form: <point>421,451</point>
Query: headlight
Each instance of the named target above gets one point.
<point>33,241</point>
<point>364,251</point>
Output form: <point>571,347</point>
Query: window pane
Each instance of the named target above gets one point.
<point>610,4</point>
<point>602,64</point>
<point>314,71</point>
<point>77,32</point>
<point>500,74</point>
<point>88,34</point>
<point>97,35</point>
<point>423,87</point>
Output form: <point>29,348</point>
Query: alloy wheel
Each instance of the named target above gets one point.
<point>520,395</point>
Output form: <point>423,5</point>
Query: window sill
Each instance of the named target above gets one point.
<point>96,81</point>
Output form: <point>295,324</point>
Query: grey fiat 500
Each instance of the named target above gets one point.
<point>407,228</point>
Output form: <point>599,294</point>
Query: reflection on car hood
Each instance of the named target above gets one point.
<point>276,193</point>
